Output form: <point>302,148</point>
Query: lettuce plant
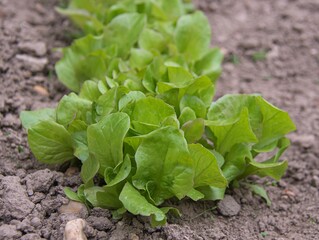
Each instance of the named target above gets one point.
<point>92,15</point>
<point>142,121</point>
<point>141,32</point>
<point>140,149</point>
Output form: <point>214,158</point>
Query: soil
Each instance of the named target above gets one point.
<point>271,47</point>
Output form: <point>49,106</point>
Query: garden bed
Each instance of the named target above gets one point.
<point>271,47</point>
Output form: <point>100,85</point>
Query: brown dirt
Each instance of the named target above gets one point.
<point>285,35</point>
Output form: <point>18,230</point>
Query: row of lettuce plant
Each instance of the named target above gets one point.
<point>141,118</point>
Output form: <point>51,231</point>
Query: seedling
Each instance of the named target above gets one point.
<point>235,59</point>
<point>20,149</point>
<point>259,56</point>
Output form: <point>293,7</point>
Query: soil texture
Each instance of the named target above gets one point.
<point>271,47</point>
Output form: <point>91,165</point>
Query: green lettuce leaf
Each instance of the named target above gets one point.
<point>105,140</point>
<point>140,58</point>
<point>50,142</point>
<point>203,88</point>
<point>131,24</point>
<point>130,98</point>
<point>193,36</point>
<point>267,122</point>
<point>207,172</point>
<point>194,130</point>
<point>108,102</point>
<point>167,10</point>
<point>32,118</point>
<point>195,103</point>
<point>83,60</point>
<point>79,138</point>
<point>236,161</point>
<point>90,90</point>
<point>152,40</point>
<point>71,194</point>
<point>266,169</point>
<point>186,115</point>
<point>195,195</point>
<point>164,165</point>
<point>212,193</point>
<point>260,191</point>
<point>136,204</point>
<point>89,169</point>
<point>108,197</point>
<point>72,107</point>
<point>115,176</point>
<point>148,114</point>
<point>210,64</point>
<point>230,133</point>
<point>83,19</point>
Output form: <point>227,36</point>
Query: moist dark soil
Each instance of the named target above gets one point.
<point>271,47</point>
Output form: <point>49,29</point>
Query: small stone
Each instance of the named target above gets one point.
<point>32,63</point>
<point>224,51</point>
<point>75,208</point>
<point>74,230</point>
<point>228,206</point>
<point>274,53</point>
<point>289,193</point>
<point>41,90</point>
<point>37,48</point>
<point>9,232</point>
